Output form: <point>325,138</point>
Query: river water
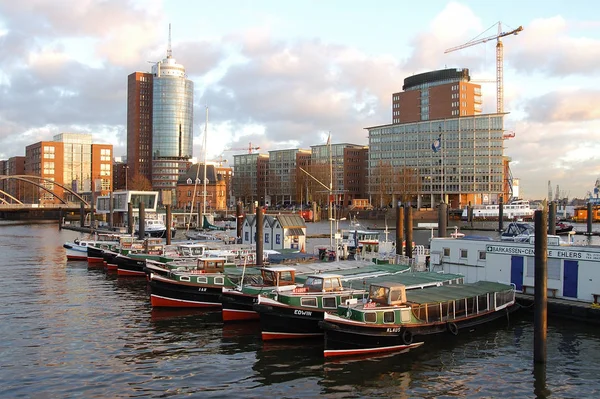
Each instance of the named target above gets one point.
<point>69,331</point>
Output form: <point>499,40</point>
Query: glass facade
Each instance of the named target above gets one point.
<point>172,117</point>
<point>469,161</point>
<point>77,168</point>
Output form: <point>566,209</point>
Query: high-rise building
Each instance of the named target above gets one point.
<point>160,124</point>
<point>139,125</point>
<point>172,122</point>
<point>446,93</point>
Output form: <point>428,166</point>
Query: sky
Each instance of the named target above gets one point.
<point>286,74</point>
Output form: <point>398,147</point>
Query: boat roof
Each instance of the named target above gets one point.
<point>324,276</point>
<point>452,292</point>
<point>279,269</point>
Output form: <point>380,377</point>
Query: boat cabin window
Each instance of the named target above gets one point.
<point>202,280</point>
<point>332,284</point>
<point>370,317</point>
<point>397,295</point>
<point>446,252</point>
<point>464,253</point>
<point>219,280</point>
<point>286,277</point>
<point>329,302</point>
<point>308,301</point>
<point>268,277</point>
<point>379,294</point>
<point>184,278</point>
<point>482,255</point>
<point>388,317</point>
<point>314,284</point>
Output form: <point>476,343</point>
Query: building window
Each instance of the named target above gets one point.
<point>266,238</point>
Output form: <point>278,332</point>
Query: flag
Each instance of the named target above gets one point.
<point>437,144</point>
<point>328,139</point>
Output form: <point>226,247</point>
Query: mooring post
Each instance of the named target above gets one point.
<point>169,223</point>
<point>408,223</point>
<point>199,216</point>
<point>239,220</point>
<point>130,218</point>
<point>60,219</point>
<point>442,220</point>
<point>552,218</point>
<point>111,207</point>
<point>399,228</point>
<point>590,218</point>
<point>81,214</point>
<point>501,214</point>
<point>540,307</point>
<point>142,221</point>
<point>259,236</point>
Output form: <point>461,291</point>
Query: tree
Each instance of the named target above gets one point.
<point>139,182</point>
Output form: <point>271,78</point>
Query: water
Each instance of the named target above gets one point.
<point>69,331</point>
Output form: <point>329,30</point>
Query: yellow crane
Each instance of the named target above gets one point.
<point>250,148</point>
<point>499,60</point>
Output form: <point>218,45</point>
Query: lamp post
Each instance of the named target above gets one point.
<point>338,236</point>
<point>126,169</point>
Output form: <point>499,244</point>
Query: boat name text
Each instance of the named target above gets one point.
<point>302,312</point>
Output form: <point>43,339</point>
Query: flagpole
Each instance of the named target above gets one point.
<point>443,176</point>
<point>330,192</point>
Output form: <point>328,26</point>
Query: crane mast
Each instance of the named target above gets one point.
<point>499,60</point>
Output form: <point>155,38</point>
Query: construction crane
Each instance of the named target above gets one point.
<point>499,60</point>
<point>508,134</point>
<point>249,148</point>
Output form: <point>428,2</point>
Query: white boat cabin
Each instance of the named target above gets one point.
<point>573,268</point>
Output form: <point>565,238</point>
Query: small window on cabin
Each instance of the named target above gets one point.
<point>327,284</point>
<point>464,253</point>
<point>314,284</point>
<point>370,317</point>
<point>311,302</point>
<point>287,276</point>
<point>202,280</point>
<point>185,278</point>
<point>329,302</point>
<point>268,277</point>
<point>219,280</point>
<point>266,238</point>
<point>446,252</point>
<point>388,317</point>
<point>482,255</point>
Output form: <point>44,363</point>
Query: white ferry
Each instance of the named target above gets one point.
<point>515,209</point>
<point>573,268</point>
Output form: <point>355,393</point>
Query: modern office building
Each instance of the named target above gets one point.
<point>458,159</point>
<point>172,123</point>
<point>445,93</point>
<point>139,125</point>
<point>73,161</point>
<point>245,183</point>
<point>328,166</point>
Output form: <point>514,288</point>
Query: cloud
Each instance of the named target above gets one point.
<point>565,105</point>
<point>547,45</point>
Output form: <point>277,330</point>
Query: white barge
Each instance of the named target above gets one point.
<point>573,268</point>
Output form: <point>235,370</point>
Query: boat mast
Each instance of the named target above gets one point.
<point>204,189</point>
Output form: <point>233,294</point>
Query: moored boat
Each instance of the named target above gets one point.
<point>297,313</point>
<point>394,319</point>
<point>78,248</point>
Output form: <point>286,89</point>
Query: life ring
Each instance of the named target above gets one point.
<point>453,328</point>
<point>407,337</point>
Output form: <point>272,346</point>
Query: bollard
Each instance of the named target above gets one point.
<point>408,226</point>
<point>399,228</point>
<point>111,207</point>
<point>540,301</point>
<point>130,218</point>
<point>239,219</point>
<point>259,236</point>
<point>60,219</point>
<point>590,218</point>
<point>501,214</point>
<point>82,215</point>
<point>552,218</point>
<point>169,223</point>
<point>142,221</point>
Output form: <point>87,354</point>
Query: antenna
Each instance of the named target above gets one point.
<point>169,51</point>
